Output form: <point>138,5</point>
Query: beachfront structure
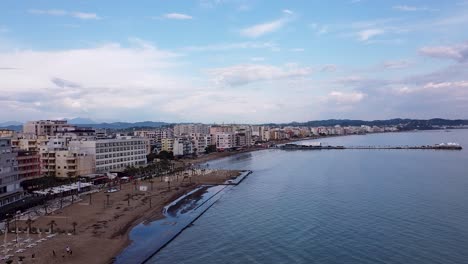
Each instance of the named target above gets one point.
<point>188,129</point>
<point>200,142</point>
<point>114,154</point>
<point>243,138</point>
<point>46,127</point>
<point>7,133</point>
<point>225,140</point>
<point>10,189</point>
<point>167,144</point>
<point>29,164</point>
<point>182,146</point>
<point>156,135</point>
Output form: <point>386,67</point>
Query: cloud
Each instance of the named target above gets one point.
<point>243,74</point>
<point>231,46</point>
<point>59,12</point>
<point>264,28</point>
<point>268,27</point>
<point>458,52</point>
<point>396,64</point>
<point>85,16</point>
<point>406,8</point>
<point>345,97</point>
<point>177,16</point>
<point>329,68</point>
<point>297,50</point>
<point>365,35</point>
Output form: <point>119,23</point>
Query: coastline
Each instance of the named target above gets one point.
<point>107,221</point>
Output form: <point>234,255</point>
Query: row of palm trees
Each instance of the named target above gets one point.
<point>52,224</point>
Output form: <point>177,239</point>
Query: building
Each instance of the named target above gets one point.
<point>182,147</point>
<point>46,127</point>
<point>29,165</point>
<point>187,129</point>
<point>200,142</point>
<point>167,144</point>
<point>243,138</point>
<point>114,154</point>
<point>7,133</point>
<point>225,141</point>
<point>10,189</point>
<point>71,164</point>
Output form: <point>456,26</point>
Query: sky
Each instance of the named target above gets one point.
<point>233,61</point>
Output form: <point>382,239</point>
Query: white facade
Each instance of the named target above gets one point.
<point>10,189</point>
<point>114,154</point>
<point>225,140</point>
<point>187,129</point>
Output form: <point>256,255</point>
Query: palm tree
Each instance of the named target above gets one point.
<point>74,224</point>
<point>52,224</point>
<point>29,223</point>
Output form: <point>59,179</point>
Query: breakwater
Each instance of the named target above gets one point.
<point>148,239</point>
<point>448,146</point>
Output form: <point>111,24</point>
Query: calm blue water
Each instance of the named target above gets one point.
<point>338,206</point>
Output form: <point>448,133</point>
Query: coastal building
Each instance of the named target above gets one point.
<point>114,154</point>
<point>200,142</point>
<point>46,127</point>
<point>29,164</point>
<point>243,138</point>
<point>182,147</point>
<point>10,189</point>
<point>187,129</point>
<point>225,140</point>
<point>71,164</point>
<point>7,133</point>
<point>167,144</point>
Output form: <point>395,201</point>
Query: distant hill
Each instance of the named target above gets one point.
<point>80,121</point>
<point>125,125</point>
<point>11,123</point>
<point>402,123</point>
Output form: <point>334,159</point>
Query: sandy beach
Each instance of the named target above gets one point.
<point>103,225</point>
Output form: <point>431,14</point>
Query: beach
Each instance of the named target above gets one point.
<point>103,221</point>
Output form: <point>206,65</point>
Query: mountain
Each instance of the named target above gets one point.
<point>80,121</point>
<point>11,123</point>
<point>125,125</point>
<point>404,124</point>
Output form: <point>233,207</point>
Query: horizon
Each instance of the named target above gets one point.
<point>233,61</point>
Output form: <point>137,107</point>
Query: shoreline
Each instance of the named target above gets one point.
<point>107,221</point>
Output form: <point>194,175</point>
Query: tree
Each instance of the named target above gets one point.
<point>74,224</point>
<point>52,224</point>
<point>210,148</point>
<point>166,155</point>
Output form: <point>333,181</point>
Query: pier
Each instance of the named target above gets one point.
<point>443,146</point>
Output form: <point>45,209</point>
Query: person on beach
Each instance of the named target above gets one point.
<point>68,250</point>
<point>53,253</point>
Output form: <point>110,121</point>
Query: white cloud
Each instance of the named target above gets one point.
<point>297,50</point>
<point>257,59</point>
<point>59,12</point>
<point>85,16</point>
<point>365,35</point>
<point>407,8</point>
<point>231,46</point>
<point>329,68</point>
<point>268,27</point>
<point>177,16</point>
<point>458,52</point>
<point>396,64</point>
<point>345,98</point>
<point>248,73</point>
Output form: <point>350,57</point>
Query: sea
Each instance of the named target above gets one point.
<point>338,206</point>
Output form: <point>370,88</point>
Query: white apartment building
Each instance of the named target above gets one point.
<point>225,140</point>
<point>187,129</point>
<point>114,154</point>
<point>10,189</point>
<point>182,147</point>
<point>46,127</point>
<point>200,142</point>
<point>155,135</point>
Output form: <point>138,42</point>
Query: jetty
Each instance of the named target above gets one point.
<point>319,146</point>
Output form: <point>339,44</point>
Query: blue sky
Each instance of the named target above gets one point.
<point>233,60</point>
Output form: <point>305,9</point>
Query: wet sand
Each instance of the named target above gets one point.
<point>102,228</point>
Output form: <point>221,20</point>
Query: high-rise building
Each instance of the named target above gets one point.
<point>46,127</point>
<point>29,164</point>
<point>10,189</point>
<point>114,154</point>
<point>187,129</point>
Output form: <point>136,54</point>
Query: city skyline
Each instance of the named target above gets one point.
<point>233,60</point>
